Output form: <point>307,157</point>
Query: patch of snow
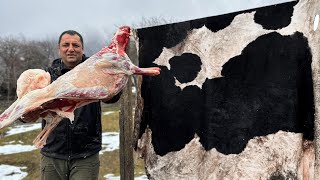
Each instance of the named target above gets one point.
<point>10,142</point>
<point>110,141</point>
<point>22,128</point>
<point>108,112</point>
<point>15,148</point>
<point>112,177</point>
<point>143,177</point>
<point>9,172</point>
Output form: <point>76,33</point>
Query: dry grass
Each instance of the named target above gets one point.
<point>109,160</point>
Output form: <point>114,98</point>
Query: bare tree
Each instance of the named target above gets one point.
<point>10,54</point>
<point>49,47</point>
<point>34,55</point>
<point>18,55</point>
<point>152,21</point>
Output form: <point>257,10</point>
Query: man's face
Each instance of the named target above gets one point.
<point>70,50</point>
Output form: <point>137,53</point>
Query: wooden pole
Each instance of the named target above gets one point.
<point>313,9</point>
<point>126,134</point>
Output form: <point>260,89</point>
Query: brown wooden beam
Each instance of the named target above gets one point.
<point>126,134</point>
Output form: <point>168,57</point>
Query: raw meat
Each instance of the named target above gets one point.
<point>100,77</point>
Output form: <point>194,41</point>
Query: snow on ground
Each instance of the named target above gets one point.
<point>112,177</point>
<point>9,172</point>
<point>11,142</point>
<point>110,141</point>
<point>15,148</point>
<point>30,127</point>
<point>108,112</point>
<point>22,128</point>
<point>12,147</point>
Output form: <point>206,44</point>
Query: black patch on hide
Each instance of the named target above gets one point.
<point>267,88</point>
<point>276,16</point>
<point>185,67</point>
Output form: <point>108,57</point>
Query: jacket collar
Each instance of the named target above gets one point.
<point>61,67</point>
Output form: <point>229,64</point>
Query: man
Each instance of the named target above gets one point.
<point>72,150</point>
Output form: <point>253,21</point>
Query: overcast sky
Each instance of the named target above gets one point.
<point>37,19</point>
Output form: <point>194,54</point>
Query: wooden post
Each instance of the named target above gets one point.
<point>126,134</point>
<point>313,10</point>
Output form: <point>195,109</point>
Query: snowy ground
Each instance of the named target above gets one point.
<point>110,142</point>
<point>108,112</point>
<point>18,147</point>
<point>22,128</point>
<point>112,177</point>
<point>8,172</point>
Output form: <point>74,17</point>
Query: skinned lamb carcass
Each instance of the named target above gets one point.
<point>100,77</point>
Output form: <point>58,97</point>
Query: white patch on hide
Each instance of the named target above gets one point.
<point>216,48</point>
<point>264,155</point>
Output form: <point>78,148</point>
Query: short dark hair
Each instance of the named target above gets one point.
<point>71,32</point>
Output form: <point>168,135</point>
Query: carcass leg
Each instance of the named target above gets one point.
<point>40,140</point>
<point>153,71</point>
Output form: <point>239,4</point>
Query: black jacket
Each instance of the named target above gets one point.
<point>80,139</point>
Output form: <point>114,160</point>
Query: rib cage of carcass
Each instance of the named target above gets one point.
<point>100,77</point>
